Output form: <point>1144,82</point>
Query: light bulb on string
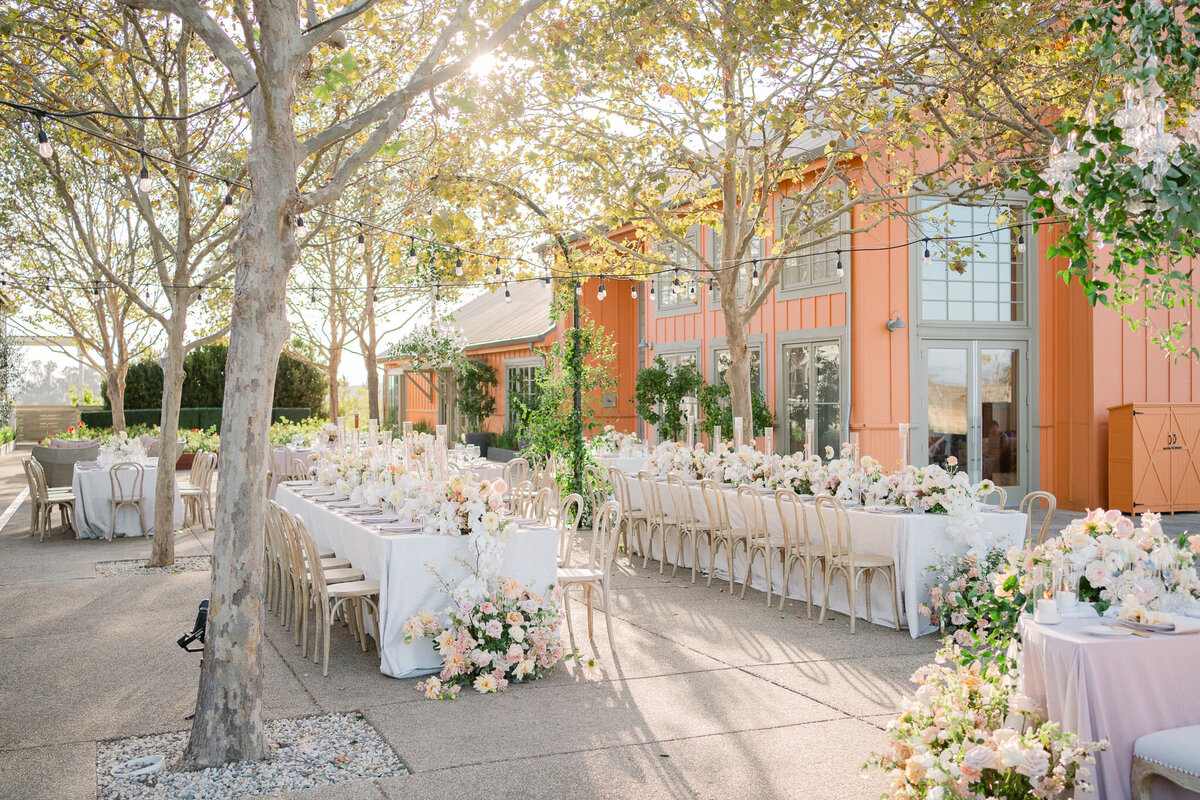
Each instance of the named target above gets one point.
<point>312,298</point>
<point>228,210</point>
<point>754,275</point>
<point>95,288</point>
<point>371,293</point>
<point>578,287</point>
<point>360,245</point>
<point>651,290</point>
<point>143,183</point>
<point>1021,243</point>
<point>927,260</point>
<point>458,268</point>
<point>44,148</point>
<point>507,293</point>
<point>601,292</point>
<point>437,293</point>
<point>633,289</point>
<point>497,262</point>
<point>299,221</point>
<point>200,292</point>
<point>692,290</point>
<point>675,280</point>
<point>546,277</point>
<point>841,271</point>
<point>412,252</point>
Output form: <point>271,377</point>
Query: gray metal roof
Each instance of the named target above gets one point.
<point>489,321</point>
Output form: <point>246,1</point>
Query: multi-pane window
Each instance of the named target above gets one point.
<point>813,376</point>
<point>976,268</point>
<point>520,390</point>
<point>722,365</point>
<point>676,360</point>
<point>813,264</point>
<point>677,288</point>
<point>744,264</point>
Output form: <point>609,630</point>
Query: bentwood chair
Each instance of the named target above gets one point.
<point>196,491</point>
<point>797,546</point>
<point>541,505</point>
<point>516,471</point>
<point>840,558</point>
<point>996,490</point>
<point>126,481</point>
<point>689,528</point>
<point>43,500</point>
<point>520,497</point>
<point>354,597</point>
<point>595,479</point>
<point>1026,507</point>
<point>634,516</point>
<point>758,539</point>
<point>1172,754</point>
<point>655,519</point>
<point>569,512</point>
<point>296,594</point>
<point>724,533</point>
<point>594,574</point>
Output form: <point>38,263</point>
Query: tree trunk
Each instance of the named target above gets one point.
<point>335,360</point>
<point>229,724</point>
<point>163,552</point>
<point>372,363</point>
<point>738,378</point>
<point>115,386</point>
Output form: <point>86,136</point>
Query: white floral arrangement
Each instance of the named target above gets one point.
<point>120,447</point>
<point>1115,562</point>
<point>968,732</point>
<point>743,466</point>
<point>511,634</point>
<point>677,458</point>
<point>612,442</point>
<point>431,347</point>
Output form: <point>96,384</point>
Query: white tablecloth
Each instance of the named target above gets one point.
<point>913,541</point>
<point>281,459</point>
<point>93,512</point>
<point>401,563</point>
<point>1115,689</point>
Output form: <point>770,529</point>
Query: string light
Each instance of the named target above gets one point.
<point>841,271</point>
<point>507,294</point>
<point>44,148</point>
<point>601,292</point>
<point>497,261</point>
<point>437,293</point>
<point>360,246</point>
<point>299,222</point>
<point>1021,243</point>
<point>458,269</point>
<point>633,289</point>
<point>579,287</point>
<point>651,289</point>
<point>143,184</point>
<point>928,259</point>
<point>228,210</point>
<point>754,275</point>
<point>312,298</point>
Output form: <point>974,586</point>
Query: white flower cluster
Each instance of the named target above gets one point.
<point>119,448</point>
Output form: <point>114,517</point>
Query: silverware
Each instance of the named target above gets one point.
<point>1134,631</point>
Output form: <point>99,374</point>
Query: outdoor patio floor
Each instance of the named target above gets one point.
<point>712,696</point>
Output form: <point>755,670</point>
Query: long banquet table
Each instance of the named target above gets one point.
<point>913,541</point>
<point>93,510</point>
<point>404,563</point>
<point>1115,689</point>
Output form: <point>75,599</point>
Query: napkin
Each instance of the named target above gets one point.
<point>523,521</point>
<point>1183,626</point>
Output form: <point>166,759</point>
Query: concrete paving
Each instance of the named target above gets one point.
<point>712,696</point>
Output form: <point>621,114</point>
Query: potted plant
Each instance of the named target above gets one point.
<point>194,441</point>
<point>506,446</point>
<point>476,401</point>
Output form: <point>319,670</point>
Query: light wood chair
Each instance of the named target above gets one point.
<point>329,599</point>
<point>569,512</point>
<point>1026,507</point>
<point>593,575</point>
<point>758,539</point>
<point>516,471</point>
<point>296,578</point>
<point>997,490</point>
<point>634,516</point>
<point>656,519</point>
<point>520,497</point>
<point>541,505</point>
<point>723,531</point>
<point>1173,754</point>
<point>126,481</point>
<point>688,524</point>
<point>43,500</point>
<point>595,479</point>
<point>798,549</point>
<point>841,558</point>
<point>196,492</point>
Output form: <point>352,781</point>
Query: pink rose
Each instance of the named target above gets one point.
<point>951,461</point>
<point>1035,763</point>
<point>979,758</point>
<point>1194,544</point>
<point>494,628</point>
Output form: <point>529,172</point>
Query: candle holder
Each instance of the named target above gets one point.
<point>810,435</point>
<point>1047,612</point>
<point>738,433</point>
<point>905,429</point>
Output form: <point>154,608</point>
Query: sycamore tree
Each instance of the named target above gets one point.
<point>275,57</point>
<point>57,270</point>
<point>150,78</point>
<point>672,117</point>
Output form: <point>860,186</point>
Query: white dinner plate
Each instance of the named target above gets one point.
<point>1103,631</point>
<point>524,521</point>
<point>406,528</point>
<point>332,498</point>
<point>382,519</point>
<point>296,483</point>
<point>345,505</point>
<point>887,509</point>
<point>358,512</point>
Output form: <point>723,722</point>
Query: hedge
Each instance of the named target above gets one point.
<point>208,417</point>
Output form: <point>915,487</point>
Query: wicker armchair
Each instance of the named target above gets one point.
<point>59,462</point>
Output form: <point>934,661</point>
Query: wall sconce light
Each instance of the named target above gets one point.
<point>895,323</point>
<point>645,345</point>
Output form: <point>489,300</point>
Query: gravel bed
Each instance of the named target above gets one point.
<point>111,569</point>
<point>306,752</point>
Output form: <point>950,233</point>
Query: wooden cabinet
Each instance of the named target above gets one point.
<point>1153,453</point>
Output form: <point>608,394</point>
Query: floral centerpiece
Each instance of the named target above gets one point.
<point>966,600</point>
<point>797,473</point>
<point>121,448</point>
<point>743,466</point>
<point>678,458</point>
<point>467,506</point>
<point>612,442</point>
<point>1113,562</point>
<point>509,634</point>
<point>968,732</point>
<point>934,489</point>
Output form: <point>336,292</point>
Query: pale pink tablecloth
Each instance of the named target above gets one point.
<point>1115,689</point>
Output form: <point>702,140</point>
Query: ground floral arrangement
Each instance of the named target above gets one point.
<point>510,634</point>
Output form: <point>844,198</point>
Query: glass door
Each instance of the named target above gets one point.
<point>976,410</point>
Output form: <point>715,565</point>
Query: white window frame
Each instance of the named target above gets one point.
<point>666,304</point>
<point>523,362</point>
<point>812,287</point>
<point>807,338</point>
